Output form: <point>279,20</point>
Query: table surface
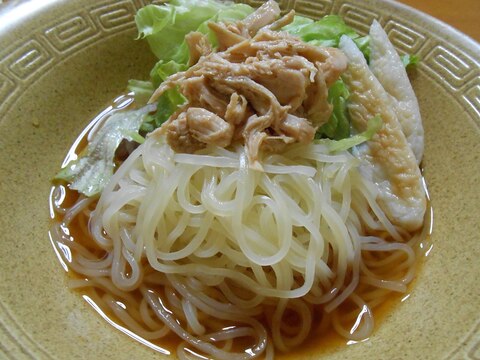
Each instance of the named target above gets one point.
<point>461,14</point>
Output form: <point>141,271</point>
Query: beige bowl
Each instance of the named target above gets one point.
<point>61,62</point>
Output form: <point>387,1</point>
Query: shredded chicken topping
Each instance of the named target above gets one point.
<point>263,88</point>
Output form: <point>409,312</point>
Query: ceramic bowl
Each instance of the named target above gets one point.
<point>61,62</point>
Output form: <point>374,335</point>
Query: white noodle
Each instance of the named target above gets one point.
<point>224,242</point>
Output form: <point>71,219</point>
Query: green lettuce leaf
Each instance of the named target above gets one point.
<point>373,126</point>
<point>169,101</point>
<point>167,104</point>
<point>410,60</point>
<point>142,90</point>
<point>326,32</point>
<point>163,69</point>
<point>93,169</point>
<point>230,14</point>
<point>298,23</point>
<point>338,126</point>
<point>165,26</point>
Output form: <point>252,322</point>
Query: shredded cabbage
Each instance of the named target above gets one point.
<point>142,90</point>
<point>325,32</point>
<point>373,126</point>
<point>410,60</point>
<point>338,126</point>
<point>93,169</point>
<point>165,26</point>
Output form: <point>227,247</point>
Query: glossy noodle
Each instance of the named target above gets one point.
<point>216,252</point>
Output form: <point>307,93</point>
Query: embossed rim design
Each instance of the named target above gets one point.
<point>454,65</point>
<point>26,60</point>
